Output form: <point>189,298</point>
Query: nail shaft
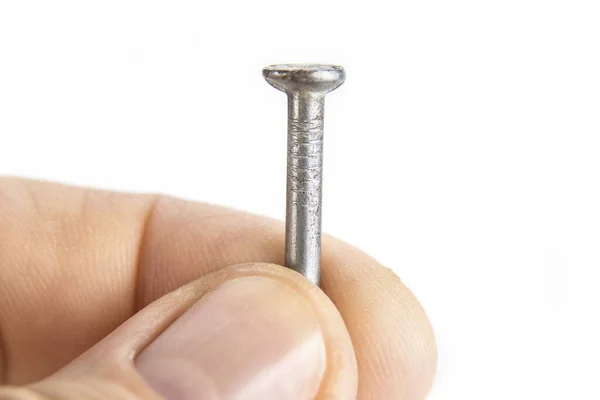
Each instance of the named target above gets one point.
<point>304,181</point>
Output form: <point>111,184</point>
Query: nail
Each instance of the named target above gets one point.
<point>306,87</point>
<point>250,338</point>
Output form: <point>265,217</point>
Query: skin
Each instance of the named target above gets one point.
<point>77,264</point>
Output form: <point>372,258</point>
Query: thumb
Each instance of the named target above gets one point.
<point>253,331</point>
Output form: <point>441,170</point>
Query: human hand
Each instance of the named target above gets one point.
<point>118,296</point>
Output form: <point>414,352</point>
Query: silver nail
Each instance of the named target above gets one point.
<point>306,87</point>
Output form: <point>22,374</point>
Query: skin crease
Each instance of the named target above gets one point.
<point>77,263</point>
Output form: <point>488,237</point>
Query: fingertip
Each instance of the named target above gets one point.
<point>393,338</point>
<point>250,328</point>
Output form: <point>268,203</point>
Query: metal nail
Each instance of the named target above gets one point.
<point>306,87</point>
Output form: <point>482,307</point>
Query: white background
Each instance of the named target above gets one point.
<point>463,150</point>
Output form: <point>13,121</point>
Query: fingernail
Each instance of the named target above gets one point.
<point>250,338</point>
